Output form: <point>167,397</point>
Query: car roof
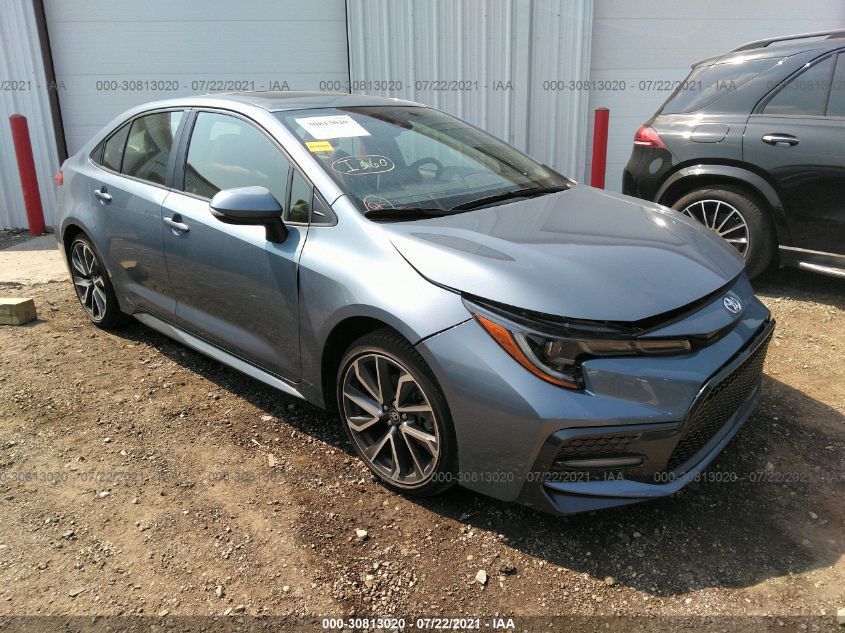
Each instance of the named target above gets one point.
<point>275,101</point>
<point>783,46</point>
<point>252,104</point>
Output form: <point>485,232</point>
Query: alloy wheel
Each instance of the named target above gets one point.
<point>391,419</point>
<point>723,219</point>
<point>88,280</point>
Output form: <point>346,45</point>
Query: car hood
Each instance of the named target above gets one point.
<point>580,253</point>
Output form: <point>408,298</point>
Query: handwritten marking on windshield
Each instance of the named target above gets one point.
<point>374,203</point>
<point>363,165</point>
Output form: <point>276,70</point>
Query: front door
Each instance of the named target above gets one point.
<point>233,287</point>
<point>798,137</point>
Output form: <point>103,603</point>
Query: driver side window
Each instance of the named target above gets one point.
<point>227,152</point>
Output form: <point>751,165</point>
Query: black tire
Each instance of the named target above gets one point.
<point>386,346</point>
<point>104,314</point>
<point>762,241</point>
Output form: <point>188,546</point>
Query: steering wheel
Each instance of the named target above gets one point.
<point>427,160</point>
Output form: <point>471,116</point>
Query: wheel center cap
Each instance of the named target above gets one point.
<point>393,414</point>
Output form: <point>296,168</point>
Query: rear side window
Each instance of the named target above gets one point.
<point>227,152</point>
<point>148,146</point>
<point>707,84</point>
<point>113,149</point>
<point>806,93</point>
<point>836,100</point>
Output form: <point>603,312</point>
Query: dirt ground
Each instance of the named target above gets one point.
<point>140,478</point>
<point>12,237</point>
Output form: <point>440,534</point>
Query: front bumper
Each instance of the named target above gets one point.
<point>663,458</point>
<point>522,439</point>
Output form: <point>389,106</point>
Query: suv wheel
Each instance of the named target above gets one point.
<point>396,415</point>
<point>93,286</point>
<point>736,216</point>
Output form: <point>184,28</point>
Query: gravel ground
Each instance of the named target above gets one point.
<point>140,478</point>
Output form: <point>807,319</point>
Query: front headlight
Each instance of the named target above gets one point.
<point>557,359</point>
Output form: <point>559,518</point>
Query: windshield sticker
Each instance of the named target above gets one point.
<point>363,165</point>
<point>374,203</point>
<point>326,127</point>
<point>319,146</point>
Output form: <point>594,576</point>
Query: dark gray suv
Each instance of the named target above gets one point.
<point>752,144</point>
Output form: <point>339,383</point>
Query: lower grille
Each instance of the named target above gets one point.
<point>719,405</point>
<point>594,446</point>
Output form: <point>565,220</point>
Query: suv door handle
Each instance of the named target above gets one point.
<point>176,224</point>
<point>101,193</point>
<point>780,140</point>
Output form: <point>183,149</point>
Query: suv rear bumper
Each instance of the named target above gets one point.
<point>646,171</point>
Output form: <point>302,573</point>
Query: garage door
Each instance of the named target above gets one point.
<point>110,55</point>
<point>640,48</point>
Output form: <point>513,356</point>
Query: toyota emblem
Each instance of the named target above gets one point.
<point>732,305</point>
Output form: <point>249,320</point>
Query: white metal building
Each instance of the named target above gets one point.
<point>529,71</point>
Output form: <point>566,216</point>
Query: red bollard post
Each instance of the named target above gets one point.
<point>600,125</point>
<point>29,180</point>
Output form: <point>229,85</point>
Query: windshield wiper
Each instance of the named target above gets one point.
<point>507,195</point>
<point>405,213</point>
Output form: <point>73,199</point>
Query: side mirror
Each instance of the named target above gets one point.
<point>250,205</point>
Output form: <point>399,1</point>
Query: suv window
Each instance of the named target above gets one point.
<point>806,93</point>
<point>113,149</point>
<point>227,152</point>
<point>706,84</point>
<point>148,146</point>
<point>836,100</point>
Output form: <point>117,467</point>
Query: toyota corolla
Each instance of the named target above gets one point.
<point>474,317</point>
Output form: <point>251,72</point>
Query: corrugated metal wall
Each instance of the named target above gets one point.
<point>26,93</point>
<point>115,54</point>
<point>489,62</point>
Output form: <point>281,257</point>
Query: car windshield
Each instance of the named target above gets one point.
<point>395,160</point>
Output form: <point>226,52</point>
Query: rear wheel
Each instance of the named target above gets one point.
<point>736,216</point>
<point>93,286</point>
<point>396,415</point>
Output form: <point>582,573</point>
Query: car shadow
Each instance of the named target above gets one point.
<point>793,283</point>
<point>745,520</point>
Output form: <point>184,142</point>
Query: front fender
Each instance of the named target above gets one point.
<point>352,271</point>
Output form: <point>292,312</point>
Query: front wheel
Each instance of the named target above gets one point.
<point>736,216</point>
<point>396,415</point>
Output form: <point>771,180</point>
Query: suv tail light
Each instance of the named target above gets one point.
<point>647,137</point>
<point>60,179</point>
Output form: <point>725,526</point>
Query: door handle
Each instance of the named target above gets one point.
<point>175,224</point>
<point>780,140</point>
<point>103,195</point>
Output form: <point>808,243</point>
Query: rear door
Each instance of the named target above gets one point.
<point>797,135</point>
<point>233,287</point>
<point>126,195</point>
